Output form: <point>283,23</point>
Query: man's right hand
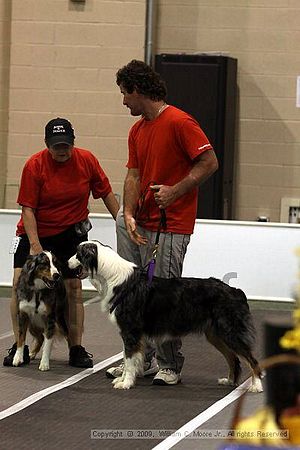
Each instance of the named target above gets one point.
<point>132,231</point>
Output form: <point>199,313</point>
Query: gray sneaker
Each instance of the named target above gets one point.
<point>150,368</point>
<point>166,377</point>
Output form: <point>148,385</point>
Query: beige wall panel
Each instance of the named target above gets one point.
<point>96,57</point>
<point>290,176</point>
<point>92,11</point>
<point>263,36</point>
<point>108,35</point>
<point>249,3</point>
<point>109,126</point>
<point>4,78</point>
<point>281,63</point>
<point>249,63</point>
<point>115,170</point>
<point>11,194</point>
<point>278,108</point>
<point>64,57</point>
<point>267,85</point>
<point>27,123</point>
<point>113,148</point>
<point>287,19</point>
<point>180,38</point>
<point>269,153</point>
<point>128,12</point>
<point>268,196</point>
<point>293,4</point>
<point>24,145</point>
<point>74,78</point>
<point>31,77</point>
<point>292,131</point>
<point>29,100</point>
<point>254,213</point>
<point>251,107</point>
<point>107,81</point>
<point>5,32</point>
<point>14,166</point>
<point>262,131</point>
<point>98,102</point>
<point>261,175</point>
<point>182,16</point>
<point>32,33</point>
<point>5,11</point>
<point>83,34</point>
<point>33,55</point>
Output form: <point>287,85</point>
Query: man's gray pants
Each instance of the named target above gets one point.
<point>169,262</point>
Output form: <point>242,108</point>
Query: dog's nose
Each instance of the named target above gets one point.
<point>56,276</point>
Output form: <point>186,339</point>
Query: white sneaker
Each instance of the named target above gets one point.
<point>166,376</point>
<point>150,368</point>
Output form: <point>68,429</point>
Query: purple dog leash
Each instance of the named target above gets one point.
<point>151,265</point>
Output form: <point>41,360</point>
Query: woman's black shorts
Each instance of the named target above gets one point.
<point>62,245</point>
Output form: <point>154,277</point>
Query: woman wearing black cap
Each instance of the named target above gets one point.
<point>55,187</point>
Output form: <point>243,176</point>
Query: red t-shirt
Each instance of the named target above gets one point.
<point>59,192</point>
<point>163,150</point>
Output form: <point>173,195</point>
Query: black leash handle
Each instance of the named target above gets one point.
<point>162,224</point>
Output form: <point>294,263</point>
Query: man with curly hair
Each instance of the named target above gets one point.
<point>169,157</point>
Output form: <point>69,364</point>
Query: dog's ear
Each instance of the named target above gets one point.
<point>57,263</point>
<point>87,254</point>
<point>30,267</point>
<point>27,272</point>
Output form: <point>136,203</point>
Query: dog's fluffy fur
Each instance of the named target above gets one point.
<point>42,302</point>
<point>166,309</point>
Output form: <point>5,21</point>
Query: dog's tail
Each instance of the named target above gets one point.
<point>234,325</point>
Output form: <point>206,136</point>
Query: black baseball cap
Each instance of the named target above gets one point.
<point>59,131</point>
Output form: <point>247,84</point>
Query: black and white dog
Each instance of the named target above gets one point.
<point>166,309</point>
<point>42,302</point>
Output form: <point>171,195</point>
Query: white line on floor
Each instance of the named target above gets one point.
<point>57,387</point>
<point>203,417</point>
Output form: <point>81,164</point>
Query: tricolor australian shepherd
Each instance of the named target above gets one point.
<point>41,300</point>
<point>166,309</point>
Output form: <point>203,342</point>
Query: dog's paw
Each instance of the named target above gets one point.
<point>18,359</point>
<point>117,380</point>
<point>44,366</point>
<point>122,385</point>
<point>226,382</point>
<point>256,386</point>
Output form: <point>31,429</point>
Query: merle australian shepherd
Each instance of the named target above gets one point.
<point>166,309</point>
<point>42,303</point>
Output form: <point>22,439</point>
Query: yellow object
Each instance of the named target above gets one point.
<point>291,339</point>
<point>261,428</point>
<point>292,423</point>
